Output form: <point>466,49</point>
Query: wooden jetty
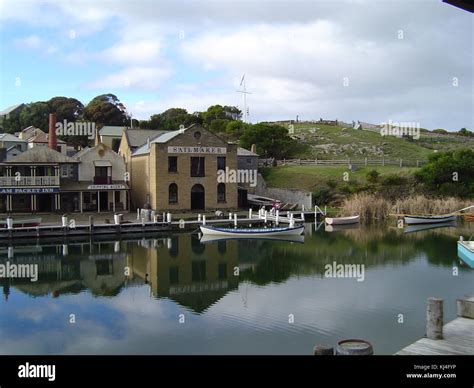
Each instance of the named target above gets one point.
<point>142,228</point>
<point>454,338</point>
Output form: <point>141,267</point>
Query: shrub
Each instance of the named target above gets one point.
<point>372,176</point>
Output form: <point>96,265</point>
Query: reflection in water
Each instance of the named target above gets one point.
<point>128,294</point>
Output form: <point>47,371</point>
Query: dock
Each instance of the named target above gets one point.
<point>68,230</point>
<point>454,338</point>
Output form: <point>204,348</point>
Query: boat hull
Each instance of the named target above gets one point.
<point>414,220</point>
<point>342,220</point>
<point>252,233</point>
<point>466,252</point>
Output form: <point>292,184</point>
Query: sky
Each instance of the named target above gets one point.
<point>367,60</point>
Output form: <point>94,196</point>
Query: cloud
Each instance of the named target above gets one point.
<point>144,78</point>
<point>34,42</point>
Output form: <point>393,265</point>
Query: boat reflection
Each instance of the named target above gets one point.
<point>421,227</point>
<point>338,228</point>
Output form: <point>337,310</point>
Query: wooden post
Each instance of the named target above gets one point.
<point>434,318</point>
<point>323,350</point>
<point>465,307</point>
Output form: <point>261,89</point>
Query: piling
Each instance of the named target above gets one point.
<point>434,318</point>
<point>323,350</point>
<point>354,347</point>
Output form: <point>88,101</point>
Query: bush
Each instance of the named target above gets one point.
<point>393,180</point>
<point>332,184</point>
<point>372,176</point>
<point>322,196</point>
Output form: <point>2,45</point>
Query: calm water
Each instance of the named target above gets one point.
<point>171,279</point>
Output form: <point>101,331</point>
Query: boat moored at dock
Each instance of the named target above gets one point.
<point>342,220</point>
<point>466,251</point>
<point>412,220</point>
<point>252,232</point>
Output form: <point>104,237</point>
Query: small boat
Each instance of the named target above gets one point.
<point>342,220</point>
<point>252,232</point>
<point>209,239</point>
<point>466,251</point>
<point>20,222</point>
<point>412,220</point>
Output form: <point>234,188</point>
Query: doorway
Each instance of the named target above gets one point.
<point>197,197</point>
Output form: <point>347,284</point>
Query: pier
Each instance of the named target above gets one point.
<point>454,338</point>
<point>143,226</point>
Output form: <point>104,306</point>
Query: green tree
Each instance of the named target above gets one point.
<point>271,140</point>
<point>218,125</point>
<point>36,114</point>
<point>465,132</point>
<point>219,112</point>
<point>106,109</point>
<point>449,173</point>
<point>66,108</point>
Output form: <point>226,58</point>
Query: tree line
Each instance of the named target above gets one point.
<point>271,140</point>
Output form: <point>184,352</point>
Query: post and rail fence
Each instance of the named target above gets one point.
<point>342,162</point>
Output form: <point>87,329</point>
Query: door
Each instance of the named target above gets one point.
<point>197,197</point>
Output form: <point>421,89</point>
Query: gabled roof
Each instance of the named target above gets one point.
<point>164,138</point>
<point>10,137</point>
<point>138,137</point>
<point>110,130</point>
<point>85,151</point>
<point>42,138</point>
<point>10,109</point>
<point>41,155</point>
<point>243,152</point>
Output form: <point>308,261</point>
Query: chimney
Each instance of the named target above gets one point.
<point>52,140</point>
<point>253,148</point>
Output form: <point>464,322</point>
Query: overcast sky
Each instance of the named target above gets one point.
<point>371,61</point>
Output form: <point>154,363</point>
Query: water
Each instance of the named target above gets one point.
<point>280,302</point>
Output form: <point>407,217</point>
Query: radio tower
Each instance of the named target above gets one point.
<point>244,92</point>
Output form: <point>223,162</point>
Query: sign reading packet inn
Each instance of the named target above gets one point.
<point>197,150</point>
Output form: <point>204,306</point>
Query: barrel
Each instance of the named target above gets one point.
<point>354,347</point>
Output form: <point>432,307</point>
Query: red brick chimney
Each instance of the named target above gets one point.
<point>52,140</point>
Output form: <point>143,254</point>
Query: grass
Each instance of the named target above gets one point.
<point>313,177</point>
<point>348,142</point>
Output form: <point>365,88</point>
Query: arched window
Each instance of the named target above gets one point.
<point>173,193</point>
<point>221,192</point>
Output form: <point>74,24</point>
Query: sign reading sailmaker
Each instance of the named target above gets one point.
<point>197,150</point>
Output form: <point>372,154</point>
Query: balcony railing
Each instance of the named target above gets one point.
<point>21,181</point>
<point>102,180</point>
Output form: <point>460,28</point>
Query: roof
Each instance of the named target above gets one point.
<point>163,138</point>
<point>244,152</point>
<point>81,152</point>
<point>84,185</point>
<point>43,138</point>
<point>100,146</point>
<point>109,130</point>
<point>9,137</point>
<point>41,155</point>
<point>138,137</point>
<point>10,109</point>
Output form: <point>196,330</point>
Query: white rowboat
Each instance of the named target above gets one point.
<point>342,220</point>
<point>466,252</point>
<point>252,232</point>
<point>412,220</point>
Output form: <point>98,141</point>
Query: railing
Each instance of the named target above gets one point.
<point>16,181</point>
<point>342,162</point>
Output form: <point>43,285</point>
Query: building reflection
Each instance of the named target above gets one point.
<point>190,273</point>
<point>177,267</point>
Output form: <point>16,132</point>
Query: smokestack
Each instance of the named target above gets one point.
<point>52,140</point>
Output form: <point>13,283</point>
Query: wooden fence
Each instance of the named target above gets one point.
<point>342,162</point>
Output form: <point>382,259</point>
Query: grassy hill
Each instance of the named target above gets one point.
<point>339,142</point>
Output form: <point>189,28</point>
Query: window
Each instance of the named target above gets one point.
<point>172,164</point>
<point>64,171</point>
<point>174,275</point>
<point>101,171</point>
<point>197,166</point>
<point>222,270</point>
<point>197,135</point>
<point>173,193</point>
<point>198,271</point>
<point>249,160</point>
<point>220,163</point>
<point>221,192</point>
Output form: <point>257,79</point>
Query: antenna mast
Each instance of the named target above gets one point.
<point>244,92</point>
